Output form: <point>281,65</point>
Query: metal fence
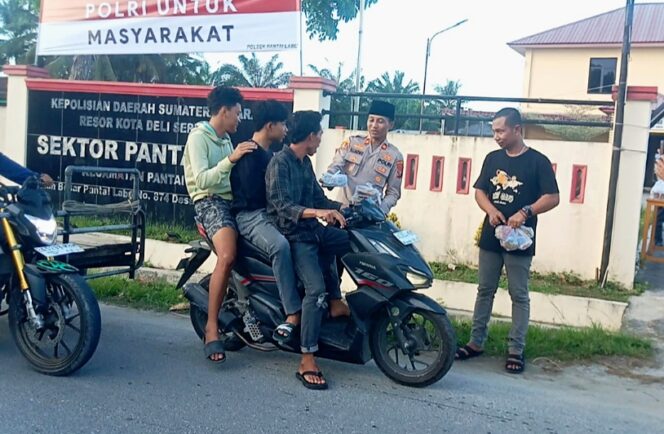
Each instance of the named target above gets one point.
<point>451,116</point>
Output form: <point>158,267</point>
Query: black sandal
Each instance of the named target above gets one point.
<point>515,363</point>
<point>284,332</point>
<point>467,352</point>
<point>215,347</point>
<point>310,385</point>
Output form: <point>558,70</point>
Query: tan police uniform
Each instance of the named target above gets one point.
<point>381,167</point>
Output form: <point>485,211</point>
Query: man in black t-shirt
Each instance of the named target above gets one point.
<point>249,203</point>
<point>516,184</point>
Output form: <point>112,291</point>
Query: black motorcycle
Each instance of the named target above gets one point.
<point>53,315</point>
<point>408,334</point>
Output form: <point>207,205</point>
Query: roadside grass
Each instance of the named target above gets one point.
<point>552,283</point>
<point>564,344</point>
<point>153,230</point>
<point>148,294</point>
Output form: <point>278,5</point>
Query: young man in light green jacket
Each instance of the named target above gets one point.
<point>208,159</point>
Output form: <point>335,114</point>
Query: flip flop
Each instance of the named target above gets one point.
<point>309,385</point>
<point>215,347</point>
<point>515,363</point>
<point>284,332</point>
<point>467,352</point>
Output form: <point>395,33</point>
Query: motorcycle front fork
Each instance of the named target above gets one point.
<point>19,263</point>
<point>406,343</point>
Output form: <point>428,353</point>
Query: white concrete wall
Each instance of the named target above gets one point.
<point>569,237</point>
<point>3,123</point>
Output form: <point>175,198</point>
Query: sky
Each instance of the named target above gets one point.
<point>476,53</point>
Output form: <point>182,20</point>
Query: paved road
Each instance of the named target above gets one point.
<point>149,376</point>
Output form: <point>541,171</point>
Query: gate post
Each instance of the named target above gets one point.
<point>629,192</point>
<point>16,131</point>
<point>308,94</point>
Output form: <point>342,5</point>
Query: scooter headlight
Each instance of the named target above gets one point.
<point>47,230</point>
<point>417,280</point>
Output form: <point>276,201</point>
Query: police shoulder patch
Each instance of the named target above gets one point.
<point>400,169</point>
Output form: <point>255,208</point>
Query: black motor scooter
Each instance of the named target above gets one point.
<point>408,334</point>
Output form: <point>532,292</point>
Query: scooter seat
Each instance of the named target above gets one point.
<point>247,250</point>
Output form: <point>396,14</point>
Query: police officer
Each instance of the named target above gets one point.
<point>372,159</point>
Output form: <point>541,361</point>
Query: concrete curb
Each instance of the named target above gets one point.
<point>544,308</point>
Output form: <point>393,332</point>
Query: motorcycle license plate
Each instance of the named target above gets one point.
<point>59,250</point>
<point>406,237</point>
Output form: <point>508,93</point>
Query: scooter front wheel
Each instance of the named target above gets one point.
<point>427,355</point>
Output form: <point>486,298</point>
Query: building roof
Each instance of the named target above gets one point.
<point>602,30</point>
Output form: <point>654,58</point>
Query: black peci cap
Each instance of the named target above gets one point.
<point>382,108</point>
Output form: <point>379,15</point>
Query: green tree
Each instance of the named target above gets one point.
<point>323,17</point>
<point>451,88</point>
<point>440,107</point>
<point>345,83</point>
<point>188,69</point>
<point>397,83</point>
<point>19,21</point>
<point>18,30</point>
<point>252,73</point>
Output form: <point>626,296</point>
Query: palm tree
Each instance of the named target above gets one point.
<point>451,88</point>
<point>437,107</point>
<point>397,84</point>
<point>148,68</point>
<point>252,73</point>
<point>188,69</point>
<point>344,84</point>
<point>18,30</point>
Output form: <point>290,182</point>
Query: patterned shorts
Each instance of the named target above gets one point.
<point>214,213</point>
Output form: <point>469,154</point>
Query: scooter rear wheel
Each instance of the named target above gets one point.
<point>430,353</point>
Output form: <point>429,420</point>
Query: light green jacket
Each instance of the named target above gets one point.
<point>207,169</point>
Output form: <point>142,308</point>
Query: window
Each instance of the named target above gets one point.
<point>578,193</point>
<point>437,164</point>
<point>463,176</point>
<point>602,75</point>
<point>411,172</point>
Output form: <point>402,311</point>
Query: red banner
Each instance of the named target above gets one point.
<point>167,26</point>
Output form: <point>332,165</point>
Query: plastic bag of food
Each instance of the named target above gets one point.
<point>365,191</point>
<point>334,179</point>
<point>514,239</point>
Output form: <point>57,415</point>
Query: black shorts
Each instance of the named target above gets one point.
<point>214,213</point>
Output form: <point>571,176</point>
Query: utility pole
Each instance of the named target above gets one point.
<point>358,68</point>
<point>426,64</point>
<point>617,142</point>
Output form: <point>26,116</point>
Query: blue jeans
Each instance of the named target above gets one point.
<point>255,227</point>
<point>316,267</point>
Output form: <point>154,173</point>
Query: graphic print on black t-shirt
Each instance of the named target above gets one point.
<point>512,183</point>
<point>503,183</point>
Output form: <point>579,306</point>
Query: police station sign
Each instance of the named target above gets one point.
<point>74,27</point>
<point>110,128</point>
